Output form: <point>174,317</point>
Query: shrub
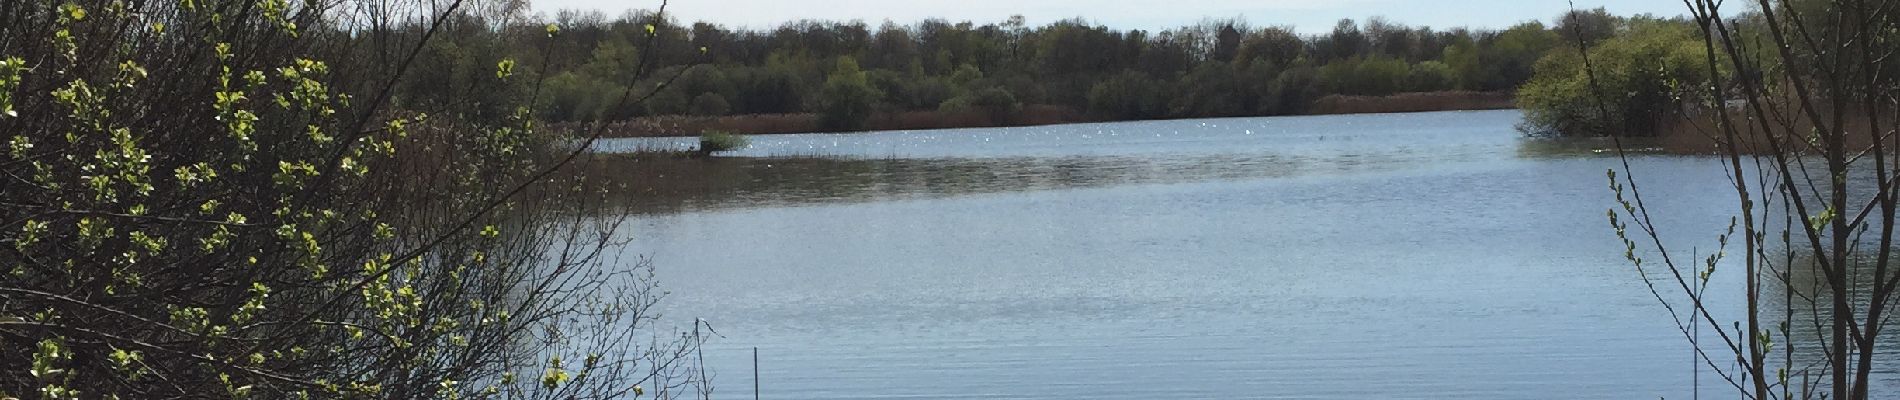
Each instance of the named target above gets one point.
<point>1641,78</point>
<point>847,98</point>
<point>1430,76</point>
<point>715,141</point>
<point>1130,95</point>
<point>258,219</point>
<point>996,103</point>
<point>711,105</point>
<point>1373,76</point>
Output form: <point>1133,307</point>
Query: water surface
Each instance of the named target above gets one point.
<point>1429,255</point>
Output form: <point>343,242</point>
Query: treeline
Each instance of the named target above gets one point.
<point>846,71</point>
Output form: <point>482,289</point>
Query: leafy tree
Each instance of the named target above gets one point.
<point>1373,76</point>
<point>1345,41</point>
<point>929,92</point>
<point>1293,90</point>
<point>241,198</point>
<point>1585,26</point>
<point>1278,46</point>
<point>847,98</point>
<point>1511,57</point>
<point>1463,58</point>
<point>1641,79</point>
<point>771,89</point>
<point>1128,95</point>
<point>996,103</point>
<point>1430,76</point>
<point>710,104</point>
<point>1211,90</point>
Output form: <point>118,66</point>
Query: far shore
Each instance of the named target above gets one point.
<point>1038,114</point>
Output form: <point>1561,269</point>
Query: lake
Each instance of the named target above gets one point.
<point>1428,255</point>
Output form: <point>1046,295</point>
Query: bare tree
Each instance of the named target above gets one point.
<point>1804,124</point>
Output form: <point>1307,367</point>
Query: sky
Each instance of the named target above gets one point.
<point>1306,16</point>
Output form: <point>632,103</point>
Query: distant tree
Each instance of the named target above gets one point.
<point>710,104</point>
<point>893,49</point>
<point>1374,76</point>
<point>1345,41</point>
<point>1430,76</point>
<point>1164,57</point>
<point>1585,26</point>
<point>1388,39</point>
<point>665,102</point>
<point>998,104</point>
<point>1292,91</point>
<point>1462,57</point>
<point>1211,90</point>
<point>894,89</point>
<point>966,76</point>
<point>929,93</point>
<point>1511,57</point>
<point>1128,95</point>
<point>1642,78</point>
<point>847,98</point>
<point>771,89</point>
<point>1277,45</point>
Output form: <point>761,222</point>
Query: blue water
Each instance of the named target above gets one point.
<point>1429,255</point>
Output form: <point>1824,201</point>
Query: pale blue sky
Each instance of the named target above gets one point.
<point>1306,15</point>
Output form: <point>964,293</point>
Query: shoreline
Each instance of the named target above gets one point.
<point>1031,115</point>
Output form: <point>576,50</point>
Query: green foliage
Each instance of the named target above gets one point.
<point>1642,77</point>
<point>266,213</point>
<point>1510,58</point>
<point>1586,26</point>
<point>573,96</point>
<point>1375,76</point>
<point>1216,68</point>
<point>1211,89</point>
<point>716,141</point>
<point>710,104</point>
<point>771,89</point>
<point>1430,76</point>
<point>1128,95</point>
<point>996,103</point>
<point>10,70</point>
<point>847,98</point>
<point>1293,90</point>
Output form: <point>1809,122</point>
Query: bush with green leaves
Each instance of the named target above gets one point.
<point>717,141</point>
<point>221,199</point>
<point>1372,76</point>
<point>997,104</point>
<point>1129,95</point>
<point>847,98</point>
<point>710,105</point>
<point>1638,81</point>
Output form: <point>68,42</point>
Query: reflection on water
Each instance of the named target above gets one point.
<point>672,184</point>
<point>781,170</point>
<point>1433,255</point>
